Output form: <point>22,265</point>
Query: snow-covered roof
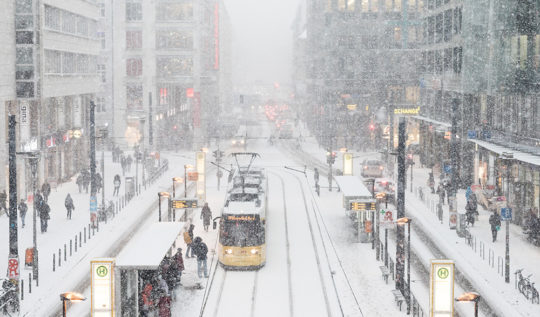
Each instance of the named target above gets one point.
<point>241,208</point>
<point>352,186</point>
<point>148,248</point>
<point>518,155</point>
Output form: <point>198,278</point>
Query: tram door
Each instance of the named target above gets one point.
<point>365,225</point>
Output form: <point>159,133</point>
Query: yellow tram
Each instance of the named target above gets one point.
<point>242,234</point>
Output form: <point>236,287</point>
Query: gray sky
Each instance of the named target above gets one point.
<point>262,39</point>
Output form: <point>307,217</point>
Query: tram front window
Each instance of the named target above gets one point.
<point>241,233</point>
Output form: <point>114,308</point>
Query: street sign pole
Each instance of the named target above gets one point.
<point>506,215</point>
<point>400,237</point>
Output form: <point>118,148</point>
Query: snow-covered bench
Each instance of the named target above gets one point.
<point>398,297</point>
<point>385,272</point>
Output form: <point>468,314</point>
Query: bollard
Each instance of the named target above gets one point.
<point>22,289</point>
<point>80,238</point>
<point>71,247</point>
<point>29,282</point>
<point>53,262</point>
<point>84,234</point>
<point>75,243</point>
<point>59,257</point>
<point>93,231</point>
<point>65,252</point>
<point>116,207</point>
<point>89,232</point>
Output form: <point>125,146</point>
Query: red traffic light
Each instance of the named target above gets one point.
<point>372,127</point>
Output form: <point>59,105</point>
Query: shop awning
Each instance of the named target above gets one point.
<point>518,155</point>
<point>148,248</point>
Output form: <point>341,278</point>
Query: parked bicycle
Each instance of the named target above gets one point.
<point>8,298</point>
<point>526,287</point>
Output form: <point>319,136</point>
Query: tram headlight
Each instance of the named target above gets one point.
<point>254,251</point>
<point>242,141</point>
<point>233,142</point>
<point>228,251</point>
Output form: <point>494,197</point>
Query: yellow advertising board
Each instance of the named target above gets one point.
<point>201,180</point>
<point>441,288</point>
<point>102,287</point>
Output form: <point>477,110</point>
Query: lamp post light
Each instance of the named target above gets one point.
<point>161,194</point>
<point>70,297</point>
<point>470,297</point>
<point>174,181</point>
<point>400,222</point>
<point>186,167</point>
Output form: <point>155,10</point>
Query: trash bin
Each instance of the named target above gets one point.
<point>29,257</point>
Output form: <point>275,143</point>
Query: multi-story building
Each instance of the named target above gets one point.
<point>105,98</point>
<point>53,80</point>
<point>361,63</point>
<point>168,71</point>
<point>483,56</point>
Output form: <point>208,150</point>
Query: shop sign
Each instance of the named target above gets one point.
<point>347,164</point>
<point>471,134</point>
<point>407,111</point>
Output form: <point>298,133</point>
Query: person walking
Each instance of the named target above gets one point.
<point>470,213</point>
<point>188,239</point>
<point>431,182</point>
<point>116,183</point>
<point>99,182</point>
<point>316,175</point>
<point>86,179</point>
<point>129,160</point>
<point>123,163</point>
<point>441,193</point>
<point>495,222</point>
<point>206,216</point>
<point>46,190</point>
<point>201,250</point>
<point>147,300</point>
<point>3,199</point>
<point>23,208</point>
<point>80,182</point>
<point>179,265</point>
<point>44,216</point>
<point>69,205</point>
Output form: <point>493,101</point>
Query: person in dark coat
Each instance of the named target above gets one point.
<point>470,212</point>
<point>129,160</point>
<point>123,163</point>
<point>69,205</point>
<point>23,208</point>
<point>116,183</point>
<point>86,179</point>
<point>206,216</point>
<point>44,216</point>
<point>80,182</point>
<point>99,182</point>
<point>201,250</point>
<point>431,182</point>
<point>495,222</point>
<point>179,265</point>
<point>46,190</point>
<point>441,193</point>
<point>3,199</point>
<point>316,175</point>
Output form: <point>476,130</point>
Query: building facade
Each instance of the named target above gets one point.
<point>53,79</point>
<point>167,78</point>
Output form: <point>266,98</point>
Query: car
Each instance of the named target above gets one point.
<point>372,168</point>
<point>385,189</point>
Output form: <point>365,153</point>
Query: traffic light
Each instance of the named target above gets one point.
<point>218,154</point>
<point>330,157</point>
<point>371,127</point>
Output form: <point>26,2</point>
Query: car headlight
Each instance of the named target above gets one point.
<point>233,142</point>
<point>242,141</point>
<point>228,251</point>
<point>254,251</point>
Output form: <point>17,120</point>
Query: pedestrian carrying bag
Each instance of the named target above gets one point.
<point>498,228</point>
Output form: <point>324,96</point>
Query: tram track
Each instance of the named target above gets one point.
<point>418,258</point>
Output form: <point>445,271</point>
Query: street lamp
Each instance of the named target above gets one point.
<point>161,194</point>
<point>174,181</point>
<point>470,297</point>
<point>401,222</point>
<point>70,297</point>
<point>186,167</point>
<point>507,158</point>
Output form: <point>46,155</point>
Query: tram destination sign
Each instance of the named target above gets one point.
<point>405,110</point>
<point>184,203</point>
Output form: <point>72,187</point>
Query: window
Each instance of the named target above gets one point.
<point>24,72</point>
<point>133,40</point>
<point>174,66</point>
<point>102,73</point>
<point>457,59</point>
<point>100,104</point>
<point>439,28</point>
<point>52,18</point>
<point>101,36</point>
<point>53,62</point>
<point>23,6</point>
<point>133,11</point>
<point>102,9</point>
<point>457,21</point>
<point>24,37</point>
<point>346,5</point>
<point>174,39</point>
<point>69,22</point>
<point>68,63</point>
<point>447,59</point>
<point>23,22</point>
<point>134,67</point>
<point>447,25</point>
<point>365,5</point>
<point>83,64</point>
<point>174,11</point>
<point>25,89</point>
<point>134,96</point>
<point>24,55</point>
<point>82,26</point>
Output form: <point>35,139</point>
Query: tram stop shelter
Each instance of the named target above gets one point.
<point>359,205</point>
<point>143,253</point>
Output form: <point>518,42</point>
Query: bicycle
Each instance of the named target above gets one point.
<point>526,287</point>
<point>8,298</point>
